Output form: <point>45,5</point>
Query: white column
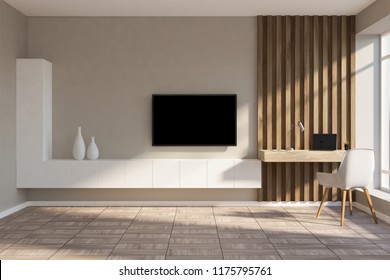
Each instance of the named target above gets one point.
<point>33,119</point>
<point>367,97</point>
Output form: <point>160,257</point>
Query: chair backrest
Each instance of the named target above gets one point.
<point>357,168</point>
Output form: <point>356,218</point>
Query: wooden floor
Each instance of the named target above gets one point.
<point>191,233</point>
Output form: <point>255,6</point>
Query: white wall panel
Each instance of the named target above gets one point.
<point>193,173</point>
<point>111,173</point>
<point>247,173</point>
<point>220,173</point>
<point>139,173</point>
<point>166,174</point>
<point>84,174</point>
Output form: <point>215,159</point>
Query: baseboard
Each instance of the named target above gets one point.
<point>367,210</point>
<point>14,209</point>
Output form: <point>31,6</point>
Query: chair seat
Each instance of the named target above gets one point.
<point>329,179</point>
<point>334,180</point>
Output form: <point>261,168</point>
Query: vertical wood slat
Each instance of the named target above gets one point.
<point>326,90</point>
<point>278,92</point>
<point>344,92</point>
<point>351,71</point>
<point>316,97</point>
<point>297,81</point>
<point>288,92</point>
<point>283,92</point>
<point>261,122</point>
<point>306,108</point>
<point>305,73</point>
<point>269,94</point>
<point>348,77</point>
<point>336,85</point>
<point>260,81</point>
<point>270,121</point>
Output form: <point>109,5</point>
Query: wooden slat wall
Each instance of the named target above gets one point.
<point>306,70</point>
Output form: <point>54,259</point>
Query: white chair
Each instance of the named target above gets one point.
<point>356,171</point>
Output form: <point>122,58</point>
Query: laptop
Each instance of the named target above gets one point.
<point>324,142</point>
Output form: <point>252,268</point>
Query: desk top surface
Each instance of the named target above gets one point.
<point>300,156</point>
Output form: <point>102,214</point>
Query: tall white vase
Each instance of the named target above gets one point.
<point>92,151</point>
<point>79,146</point>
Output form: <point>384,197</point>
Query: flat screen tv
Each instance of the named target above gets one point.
<point>194,120</point>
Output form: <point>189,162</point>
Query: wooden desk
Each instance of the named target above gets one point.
<point>300,156</point>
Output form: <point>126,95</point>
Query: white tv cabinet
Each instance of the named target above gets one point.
<point>37,169</point>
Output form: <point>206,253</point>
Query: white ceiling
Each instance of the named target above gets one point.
<point>188,7</point>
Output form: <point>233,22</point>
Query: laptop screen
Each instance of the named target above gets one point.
<point>324,142</point>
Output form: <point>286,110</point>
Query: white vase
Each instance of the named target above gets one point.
<point>79,146</point>
<point>92,151</point>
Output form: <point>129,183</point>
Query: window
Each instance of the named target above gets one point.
<point>385,111</point>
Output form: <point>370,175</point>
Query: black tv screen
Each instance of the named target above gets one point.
<point>194,120</point>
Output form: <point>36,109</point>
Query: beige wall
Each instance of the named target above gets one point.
<point>106,69</point>
<point>13,44</point>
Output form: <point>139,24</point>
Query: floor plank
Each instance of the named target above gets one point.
<point>199,233</point>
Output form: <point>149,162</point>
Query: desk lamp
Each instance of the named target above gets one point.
<point>301,128</point>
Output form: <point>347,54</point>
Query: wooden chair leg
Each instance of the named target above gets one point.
<point>350,201</point>
<point>344,197</point>
<point>368,197</point>
<point>324,196</point>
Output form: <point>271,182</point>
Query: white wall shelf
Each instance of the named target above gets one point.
<point>37,169</point>
<point>144,173</point>
<point>166,174</point>
<point>193,173</point>
<point>139,173</point>
<point>220,173</point>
